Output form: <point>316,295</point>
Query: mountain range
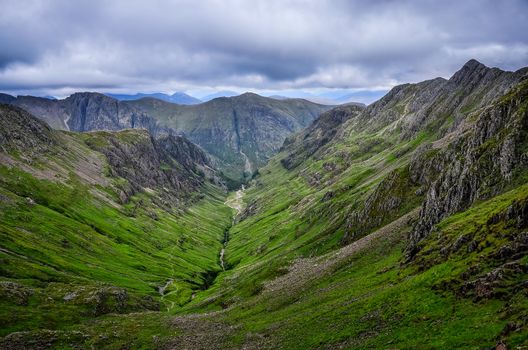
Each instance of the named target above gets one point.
<point>178,97</point>
<point>240,133</point>
<point>401,224</point>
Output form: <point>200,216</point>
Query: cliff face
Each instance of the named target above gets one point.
<point>170,165</point>
<point>241,132</point>
<point>21,132</point>
<point>86,112</point>
<point>479,160</point>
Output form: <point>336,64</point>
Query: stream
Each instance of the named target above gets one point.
<point>235,203</point>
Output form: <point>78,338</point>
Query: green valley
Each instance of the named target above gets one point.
<point>400,225</point>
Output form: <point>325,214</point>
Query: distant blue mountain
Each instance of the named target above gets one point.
<point>180,98</point>
<point>336,97</point>
<point>219,94</point>
<point>5,98</point>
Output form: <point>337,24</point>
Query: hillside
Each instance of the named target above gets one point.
<point>411,222</point>
<point>241,133</point>
<point>399,225</point>
<point>98,223</point>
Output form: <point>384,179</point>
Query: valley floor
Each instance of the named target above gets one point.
<point>359,296</point>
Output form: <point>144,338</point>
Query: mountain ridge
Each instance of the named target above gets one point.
<point>263,122</point>
<point>177,97</point>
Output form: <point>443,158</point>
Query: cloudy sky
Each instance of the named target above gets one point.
<point>57,47</point>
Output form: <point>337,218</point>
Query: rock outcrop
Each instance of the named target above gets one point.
<point>23,133</point>
<point>482,158</point>
<point>172,165</point>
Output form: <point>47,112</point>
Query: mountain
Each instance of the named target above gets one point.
<point>374,224</point>
<point>178,97</point>
<point>240,132</point>
<point>225,93</point>
<point>400,225</point>
<point>5,98</point>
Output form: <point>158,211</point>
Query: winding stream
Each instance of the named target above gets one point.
<point>235,203</point>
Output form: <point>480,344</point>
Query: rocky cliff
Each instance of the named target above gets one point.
<point>485,156</point>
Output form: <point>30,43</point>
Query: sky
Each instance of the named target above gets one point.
<point>333,47</point>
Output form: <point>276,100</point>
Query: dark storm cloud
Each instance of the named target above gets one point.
<point>58,46</point>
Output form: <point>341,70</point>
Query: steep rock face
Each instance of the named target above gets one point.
<point>240,132</point>
<point>50,111</point>
<point>86,112</point>
<point>482,159</point>
<point>171,165</point>
<point>318,134</point>
<point>23,133</point>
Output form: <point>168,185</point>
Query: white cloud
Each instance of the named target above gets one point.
<point>120,45</point>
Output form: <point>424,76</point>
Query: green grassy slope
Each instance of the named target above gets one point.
<point>466,286</point>
<point>71,250</point>
<point>368,300</point>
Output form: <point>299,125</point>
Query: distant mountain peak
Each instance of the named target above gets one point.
<point>473,63</point>
<point>178,97</point>
<point>248,94</point>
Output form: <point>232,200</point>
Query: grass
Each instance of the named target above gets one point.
<point>71,239</point>
<point>372,301</point>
